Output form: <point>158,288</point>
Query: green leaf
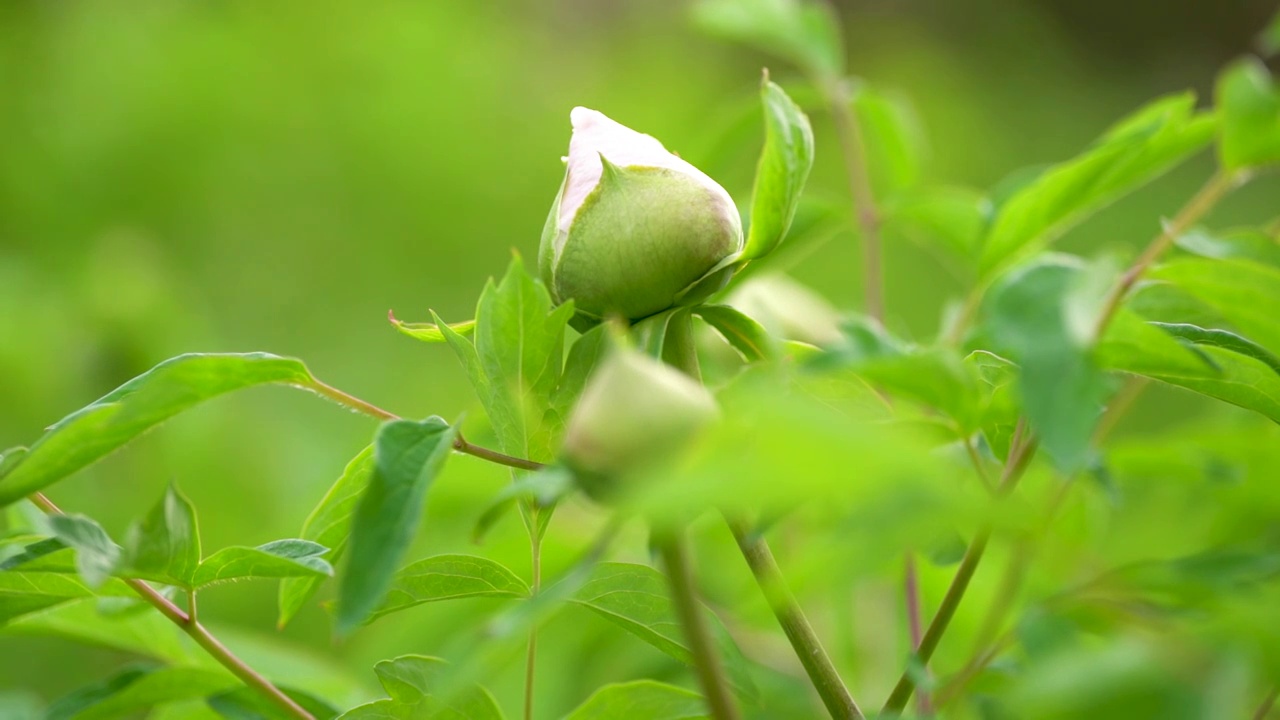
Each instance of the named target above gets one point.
<point>165,545</point>
<point>407,457</point>
<point>541,489</point>
<point>1042,315</point>
<point>784,166</point>
<point>248,704</point>
<point>1269,40</point>
<point>26,550</point>
<point>144,634</point>
<point>1250,107</point>
<point>329,524</point>
<point>805,33</point>
<point>1136,151</point>
<point>419,691</point>
<point>143,402</point>
<point>1243,292</point>
<point>431,332</point>
<point>893,140</point>
<point>136,690</point>
<point>1237,244</point>
<point>9,460</point>
<point>745,335</point>
<point>949,219</point>
<point>97,556</point>
<point>1223,339</point>
<point>641,699</point>
<point>578,366</point>
<point>278,559</point>
<point>28,591</point>
<point>449,577</point>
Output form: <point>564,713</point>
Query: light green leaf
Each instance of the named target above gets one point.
<point>9,460</point>
<point>805,33</point>
<point>329,524</point>
<point>431,332</point>
<point>745,335</point>
<point>26,550</point>
<point>1243,292</point>
<point>245,703</point>
<point>278,559</point>
<point>23,592</point>
<point>940,218</point>
<point>578,366</point>
<point>1223,339</point>
<point>97,556</point>
<point>1237,244</point>
<point>449,577</point>
<point>784,166</point>
<point>1250,107</point>
<point>1137,150</point>
<point>135,690</point>
<point>641,699</point>
<point>145,634</point>
<point>407,457</point>
<point>541,489</point>
<point>420,690</point>
<point>165,545</point>
<point>893,140</point>
<point>143,402</point>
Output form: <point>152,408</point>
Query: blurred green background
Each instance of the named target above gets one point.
<point>238,175</point>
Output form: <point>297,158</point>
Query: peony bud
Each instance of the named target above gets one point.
<point>633,413</point>
<point>635,230</point>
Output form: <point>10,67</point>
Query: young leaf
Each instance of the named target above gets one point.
<point>803,32</point>
<point>419,689</point>
<point>143,402</point>
<point>165,545</point>
<point>329,524</point>
<point>1242,291</point>
<point>1250,106</point>
<point>97,556</point>
<point>1136,151</point>
<point>429,332</point>
<point>744,334</point>
<point>23,592</point>
<point>138,690</point>
<point>784,166</point>
<point>278,559</point>
<point>641,699</point>
<point>449,577</point>
<point>407,457</point>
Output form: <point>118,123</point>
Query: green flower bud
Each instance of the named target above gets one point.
<point>634,413</point>
<point>634,230</point>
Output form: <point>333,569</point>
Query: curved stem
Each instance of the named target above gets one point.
<point>201,635</point>
<point>817,664</point>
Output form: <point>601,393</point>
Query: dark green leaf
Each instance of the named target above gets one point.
<point>641,699</point>
<point>143,402</point>
<point>407,457</point>
<point>1250,107</point>
<point>803,32</point>
<point>1243,292</point>
<point>165,545</point>
<point>136,690</point>
<point>278,559</point>
<point>449,577</point>
<point>420,690</point>
<point>744,334</point>
<point>248,704</point>
<point>97,556</point>
<point>1134,152</point>
<point>784,166</point>
<point>329,524</point>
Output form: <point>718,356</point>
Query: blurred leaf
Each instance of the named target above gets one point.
<point>1223,339</point>
<point>1240,244</point>
<point>416,684</point>
<point>248,704</point>
<point>1250,107</point>
<point>278,559</point>
<point>449,577</point>
<point>578,366</point>
<point>430,332</point>
<point>1269,40</point>
<point>641,699</point>
<point>1242,291</point>
<point>135,690</point>
<point>145,401</point>
<point>97,556</point>
<point>892,137</point>
<point>329,524</point>
<point>805,33</point>
<point>744,334</point>
<point>999,409</point>
<point>949,219</point>
<point>1136,151</point>
<point>541,489</point>
<point>23,592</point>
<point>407,457</point>
<point>9,460</point>
<point>24,549</point>
<point>19,705</point>
<point>781,173</point>
<point>147,634</point>
<point>165,545</point>
<point>1041,314</point>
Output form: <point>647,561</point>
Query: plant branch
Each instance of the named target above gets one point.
<point>911,587</point>
<point>1021,449</point>
<point>853,148</point>
<point>1268,702</point>
<point>674,549</point>
<point>795,625</point>
<point>531,650</point>
<point>201,635</point>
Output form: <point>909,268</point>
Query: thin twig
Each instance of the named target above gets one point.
<point>911,583</point>
<point>817,664</point>
<point>1268,702</point>
<point>867,215</point>
<point>201,635</point>
<point>531,651</point>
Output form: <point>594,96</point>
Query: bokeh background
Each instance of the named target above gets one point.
<point>237,175</point>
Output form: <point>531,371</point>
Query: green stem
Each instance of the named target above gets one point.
<point>674,549</point>
<point>853,148</point>
<point>531,651</point>
<point>1268,702</point>
<point>817,664</point>
<point>201,635</point>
